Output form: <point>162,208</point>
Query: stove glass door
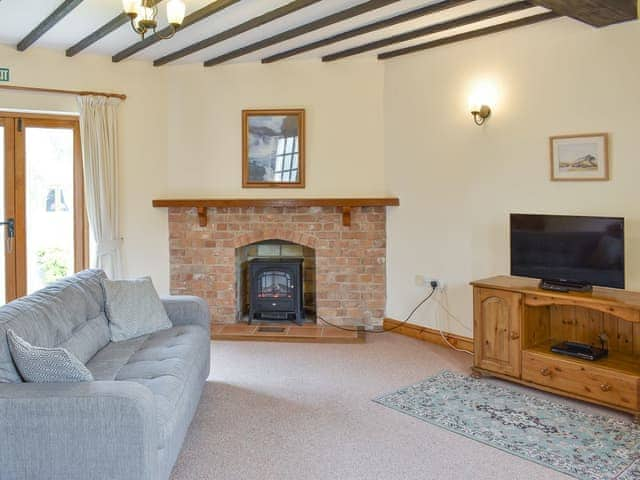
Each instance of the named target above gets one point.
<point>275,284</point>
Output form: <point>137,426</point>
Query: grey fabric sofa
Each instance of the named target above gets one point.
<point>128,424</point>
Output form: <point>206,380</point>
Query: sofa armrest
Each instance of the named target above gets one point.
<point>187,310</point>
<point>78,431</point>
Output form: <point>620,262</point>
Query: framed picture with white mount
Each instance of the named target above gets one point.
<point>580,157</point>
<point>273,148</point>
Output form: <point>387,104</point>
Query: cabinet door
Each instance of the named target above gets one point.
<point>496,322</point>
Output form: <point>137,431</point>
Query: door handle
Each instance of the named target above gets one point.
<point>10,223</point>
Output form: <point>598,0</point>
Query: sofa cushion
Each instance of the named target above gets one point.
<point>89,338</point>
<point>168,362</point>
<point>46,365</point>
<point>106,364</point>
<point>133,308</point>
<point>51,317</point>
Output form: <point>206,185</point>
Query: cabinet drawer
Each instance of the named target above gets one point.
<point>599,384</point>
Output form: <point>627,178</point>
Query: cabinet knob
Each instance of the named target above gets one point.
<point>605,387</point>
<point>545,372</point>
<point>515,335</point>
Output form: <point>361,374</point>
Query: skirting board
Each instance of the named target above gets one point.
<point>429,334</point>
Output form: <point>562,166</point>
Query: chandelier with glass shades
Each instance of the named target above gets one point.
<point>144,13</point>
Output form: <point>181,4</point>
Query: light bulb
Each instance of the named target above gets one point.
<point>175,12</point>
<point>484,94</point>
<point>131,6</point>
<point>145,13</point>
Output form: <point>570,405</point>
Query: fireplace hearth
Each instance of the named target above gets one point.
<point>276,289</point>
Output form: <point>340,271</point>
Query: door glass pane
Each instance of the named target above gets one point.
<point>49,212</point>
<point>3,285</point>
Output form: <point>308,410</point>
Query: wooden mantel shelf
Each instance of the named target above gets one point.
<point>346,204</point>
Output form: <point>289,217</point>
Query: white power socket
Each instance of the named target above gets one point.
<point>425,281</point>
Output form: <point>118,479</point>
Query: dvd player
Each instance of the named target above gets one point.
<point>579,350</point>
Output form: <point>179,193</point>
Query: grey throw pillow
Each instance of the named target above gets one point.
<point>133,308</point>
<point>46,365</point>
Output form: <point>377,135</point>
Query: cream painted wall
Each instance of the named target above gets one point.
<point>143,146</point>
<point>180,130</point>
<point>458,182</point>
<point>344,115</point>
<point>400,127</point>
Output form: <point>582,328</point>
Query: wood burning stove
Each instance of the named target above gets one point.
<point>276,289</point>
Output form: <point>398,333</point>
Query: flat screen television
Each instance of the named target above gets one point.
<point>568,252</point>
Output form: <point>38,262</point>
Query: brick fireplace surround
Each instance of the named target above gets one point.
<point>350,260</point>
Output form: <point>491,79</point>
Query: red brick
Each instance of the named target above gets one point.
<point>350,261</point>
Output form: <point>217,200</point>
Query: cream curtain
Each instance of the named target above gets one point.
<point>99,135</point>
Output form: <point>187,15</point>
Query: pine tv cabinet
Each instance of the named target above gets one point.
<point>515,323</point>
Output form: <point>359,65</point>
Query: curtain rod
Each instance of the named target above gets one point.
<point>121,96</point>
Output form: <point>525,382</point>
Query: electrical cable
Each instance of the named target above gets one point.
<point>453,347</point>
<point>422,302</point>
<point>444,337</point>
<point>451,315</point>
<point>406,320</point>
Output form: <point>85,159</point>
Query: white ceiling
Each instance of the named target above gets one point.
<point>17,20</point>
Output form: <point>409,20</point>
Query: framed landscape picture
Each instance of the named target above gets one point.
<point>580,157</point>
<point>273,147</point>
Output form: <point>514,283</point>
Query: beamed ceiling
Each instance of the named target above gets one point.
<point>220,31</point>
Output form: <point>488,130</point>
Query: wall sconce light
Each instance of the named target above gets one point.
<point>481,101</point>
<point>480,114</point>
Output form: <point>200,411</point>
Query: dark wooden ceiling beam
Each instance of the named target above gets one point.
<point>237,30</point>
<point>501,27</point>
<point>431,29</point>
<point>598,13</point>
<point>48,23</point>
<point>107,28</point>
<point>189,20</point>
<point>371,27</point>
<point>113,24</point>
<point>302,30</point>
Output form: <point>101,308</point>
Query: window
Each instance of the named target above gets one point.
<point>55,200</point>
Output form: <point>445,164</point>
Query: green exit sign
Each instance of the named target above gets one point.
<point>4,74</point>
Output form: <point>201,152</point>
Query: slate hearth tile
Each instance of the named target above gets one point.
<point>305,331</point>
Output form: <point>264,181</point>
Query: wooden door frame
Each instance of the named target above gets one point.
<point>9,206</point>
<point>81,232</point>
<point>37,116</point>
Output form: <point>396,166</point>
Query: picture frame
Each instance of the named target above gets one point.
<point>273,148</point>
<point>580,157</point>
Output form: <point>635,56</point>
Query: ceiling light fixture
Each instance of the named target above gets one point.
<point>144,13</point>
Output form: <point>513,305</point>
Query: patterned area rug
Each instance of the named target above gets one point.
<point>553,434</point>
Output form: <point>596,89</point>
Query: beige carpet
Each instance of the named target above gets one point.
<point>303,411</point>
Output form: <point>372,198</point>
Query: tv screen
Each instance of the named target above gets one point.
<point>557,248</point>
